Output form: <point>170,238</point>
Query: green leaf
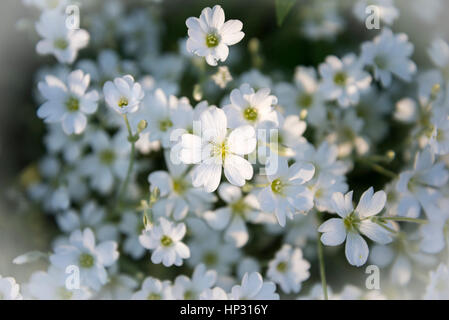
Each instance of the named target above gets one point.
<point>283,7</point>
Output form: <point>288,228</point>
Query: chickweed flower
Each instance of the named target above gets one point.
<point>68,103</point>
<point>210,35</point>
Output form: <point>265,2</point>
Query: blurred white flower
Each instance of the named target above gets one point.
<point>303,96</point>
<point>232,218</point>
<point>9,289</point>
<point>389,54</point>
<point>438,287</point>
<point>419,187</point>
<point>58,39</point>
<point>289,269</point>
<point>90,258</point>
<point>68,103</point>
<point>185,288</point>
<point>154,289</point>
<point>51,285</point>
<point>343,80</point>
<point>253,287</point>
<point>385,10</point>
<point>177,195</point>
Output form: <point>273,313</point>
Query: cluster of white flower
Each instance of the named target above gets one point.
<point>131,165</point>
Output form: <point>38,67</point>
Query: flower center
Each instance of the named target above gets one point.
<point>107,156</point>
<point>86,260</point>
<point>179,186</point>
<point>281,267</point>
<point>61,44</point>
<point>319,193</point>
<point>239,207</point>
<point>210,259</point>
<point>166,241</point>
<point>154,296</point>
<point>250,114</point>
<point>220,150</point>
<point>305,100</point>
<point>64,294</point>
<point>189,295</point>
<point>165,124</point>
<point>277,186</point>
<point>440,135</point>
<point>212,40</point>
<point>350,222</point>
<point>340,78</point>
<point>72,104</point>
<point>52,4</point>
<point>122,102</point>
<point>381,62</point>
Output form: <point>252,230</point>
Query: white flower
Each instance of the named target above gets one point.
<point>153,289</point>
<point>69,146</point>
<point>51,285</point>
<point>131,225</point>
<point>439,141</point>
<point>389,54</point>
<point>352,222</point>
<point>285,194</point>
<point>222,77</point>
<point>109,159</point>
<point>254,288</point>
<point>191,289</point>
<point>216,293</point>
<point>177,195</point>
<point>384,10</point>
<point>323,188</point>
<point>108,66</point>
<point>303,96</point>
<point>419,187</point>
<point>58,39</point>
<point>343,80</point>
<point>81,251</point>
<point>289,269</point>
<point>165,241</point>
<point>210,35</point>
<point>68,103</point>
<point>120,287</point>
<point>322,20</point>
<point>56,5</point>
<point>439,53</point>
<point>248,107</point>
<point>215,149</point>
<point>433,234</point>
<point>164,115</point>
<point>438,287</point>
<point>233,217</point>
<point>9,289</point>
<point>123,94</point>
<point>324,158</point>
<point>214,253</point>
<point>91,216</point>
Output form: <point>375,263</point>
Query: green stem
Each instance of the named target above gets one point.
<point>132,139</point>
<point>322,270</point>
<point>405,219</point>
